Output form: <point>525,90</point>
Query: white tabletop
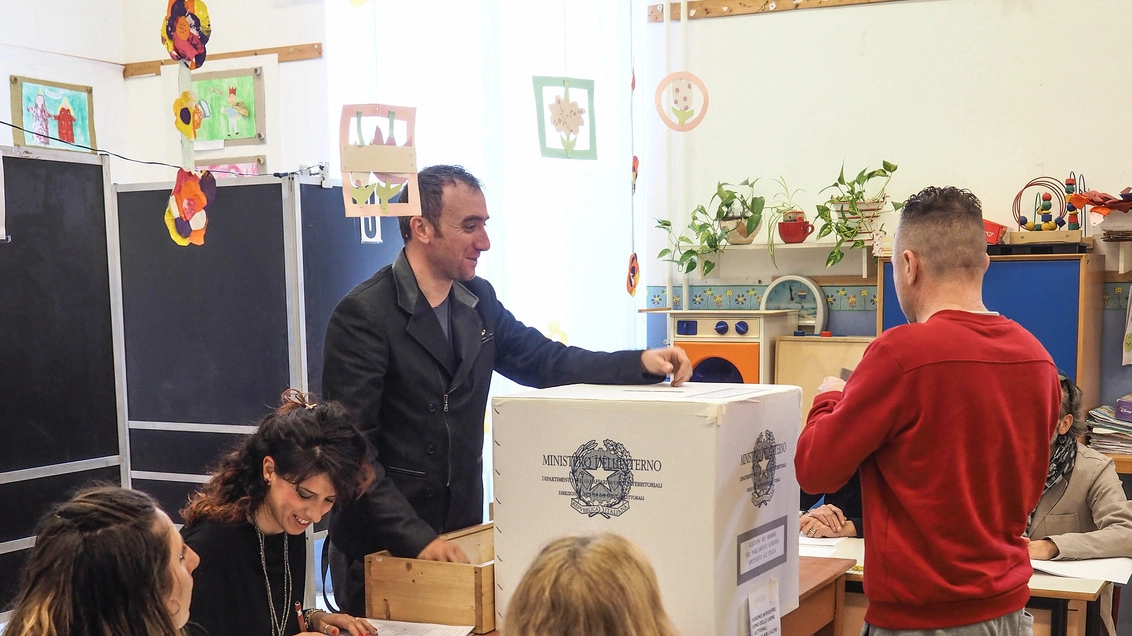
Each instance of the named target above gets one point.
<point>1043,585</point>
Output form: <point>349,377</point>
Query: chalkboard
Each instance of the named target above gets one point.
<point>334,261</point>
<point>206,335</point>
<point>56,334</point>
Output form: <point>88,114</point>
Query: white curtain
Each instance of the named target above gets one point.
<point>561,229</point>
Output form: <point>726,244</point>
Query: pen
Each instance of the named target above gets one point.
<point>302,619</point>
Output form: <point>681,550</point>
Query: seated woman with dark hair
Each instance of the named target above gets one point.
<point>1083,512</point>
<point>840,515</point>
<point>109,562</point>
<point>588,586</point>
<point>247,522</point>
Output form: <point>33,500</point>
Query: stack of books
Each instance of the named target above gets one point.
<point>1107,434</point>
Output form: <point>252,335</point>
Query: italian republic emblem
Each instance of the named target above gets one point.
<point>601,477</point>
<point>762,469</point>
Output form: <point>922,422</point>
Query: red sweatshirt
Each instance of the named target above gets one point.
<point>949,421</point>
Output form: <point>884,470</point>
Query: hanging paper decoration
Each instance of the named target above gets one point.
<point>185,216</point>
<point>375,169</point>
<point>636,166</point>
<point>565,114</point>
<point>186,30</point>
<point>686,103</point>
<point>634,275</point>
<point>188,114</point>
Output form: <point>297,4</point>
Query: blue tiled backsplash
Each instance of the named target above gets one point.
<point>837,298</point>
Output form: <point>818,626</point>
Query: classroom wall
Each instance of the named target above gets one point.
<point>295,91</point>
<point>53,40</point>
<point>985,94</point>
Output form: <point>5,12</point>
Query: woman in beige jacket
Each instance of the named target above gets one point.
<point>1083,512</point>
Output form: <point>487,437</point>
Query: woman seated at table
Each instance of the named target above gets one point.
<point>284,477</point>
<point>1083,512</point>
<point>109,562</point>
<point>838,516</point>
<point>588,586</point>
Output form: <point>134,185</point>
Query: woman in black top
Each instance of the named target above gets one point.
<point>247,524</point>
<point>838,516</point>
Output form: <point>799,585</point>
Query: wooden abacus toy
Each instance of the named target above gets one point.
<point>1043,206</point>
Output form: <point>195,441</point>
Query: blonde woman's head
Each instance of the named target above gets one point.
<point>598,585</point>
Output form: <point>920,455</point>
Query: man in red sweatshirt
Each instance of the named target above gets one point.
<point>948,419</point>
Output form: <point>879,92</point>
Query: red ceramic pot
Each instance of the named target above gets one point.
<point>795,231</point>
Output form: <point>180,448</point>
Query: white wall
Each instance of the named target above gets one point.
<point>295,91</point>
<point>53,40</point>
<point>983,94</point>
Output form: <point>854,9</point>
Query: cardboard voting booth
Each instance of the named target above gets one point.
<point>701,477</point>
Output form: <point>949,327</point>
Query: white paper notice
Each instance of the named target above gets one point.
<point>762,605</point>
<point>400,628</point>
<point>1117,570</point>
<point>816,550</point>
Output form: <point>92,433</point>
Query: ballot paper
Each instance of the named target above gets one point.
<point>830,541</point>
<point>401,628</point>
<point>1117,570</point>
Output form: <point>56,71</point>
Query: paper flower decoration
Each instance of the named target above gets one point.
<point>188,114</point>
<point>185,215</point>
<point>185,31</point>
<point>566,116</point>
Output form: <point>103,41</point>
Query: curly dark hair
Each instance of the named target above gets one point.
<point>431,182</point>
<point>100,567</point>
<point>944,226</point>
<point>305,438</point>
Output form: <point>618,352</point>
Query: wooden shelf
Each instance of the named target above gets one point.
<point>1123,464</point>
<point>866,251</point>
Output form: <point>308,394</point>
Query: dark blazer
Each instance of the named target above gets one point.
<point>422,401</point>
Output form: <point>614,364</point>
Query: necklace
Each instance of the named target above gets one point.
<point>277,624</point>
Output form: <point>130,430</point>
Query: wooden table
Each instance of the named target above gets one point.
<point>821,597</point>
<point>1058,594</point>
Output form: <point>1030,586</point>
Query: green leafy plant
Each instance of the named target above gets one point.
<point>850,212</point>
<point>729,210</point>
<point>783,209</point>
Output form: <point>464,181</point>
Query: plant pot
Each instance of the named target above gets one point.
<point>794,231</point>
<point>737,231</point>
<point>867,209</point>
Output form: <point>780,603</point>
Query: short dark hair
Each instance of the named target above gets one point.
<point>305,438</point>
<point>100,566</point>
<point>431,182</point>
<point>1071,404</point>
<point>944,227</point>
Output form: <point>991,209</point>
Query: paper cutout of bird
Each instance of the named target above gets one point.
<point>386,192</point>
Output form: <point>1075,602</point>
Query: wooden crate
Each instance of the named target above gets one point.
<point>433,592</point>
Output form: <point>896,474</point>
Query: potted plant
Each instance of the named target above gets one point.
<point>785,210</point>
<point>849,213</point>
<point>731,216</point>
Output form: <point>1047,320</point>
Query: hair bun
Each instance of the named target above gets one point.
<point>294,398</point>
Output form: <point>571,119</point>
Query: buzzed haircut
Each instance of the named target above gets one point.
<point>944,227</point>
<point>431,182</point>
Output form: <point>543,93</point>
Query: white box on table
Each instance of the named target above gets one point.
<point>701,477</point>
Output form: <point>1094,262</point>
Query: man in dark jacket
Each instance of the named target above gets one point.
<point>412,351</point>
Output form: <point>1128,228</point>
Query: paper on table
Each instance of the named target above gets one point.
<point>1117,569</point>
<point>804,540</point>
<point>401,628</point>
<point>816,550</point>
